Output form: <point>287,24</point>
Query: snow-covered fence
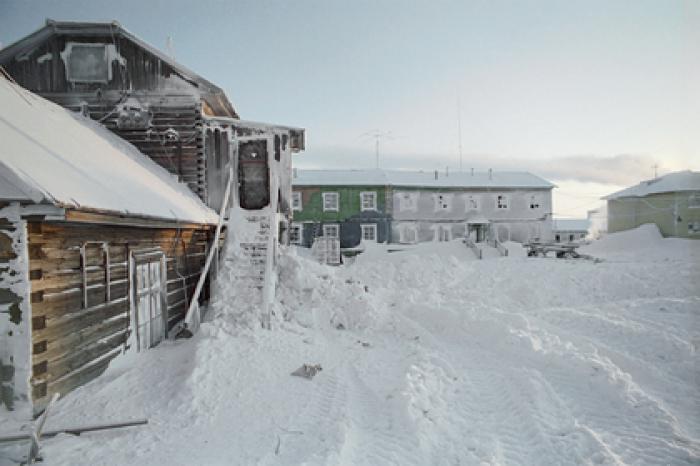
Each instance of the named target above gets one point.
<point>326,250</point>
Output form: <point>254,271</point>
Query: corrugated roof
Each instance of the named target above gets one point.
<point>570,224</point>
<point>401,178</point>
<point>49,153</point>
<point>673,182</point>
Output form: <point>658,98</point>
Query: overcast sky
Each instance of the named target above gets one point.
<point>588,94</point>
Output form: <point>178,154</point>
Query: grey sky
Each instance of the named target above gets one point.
<point>582,91</point>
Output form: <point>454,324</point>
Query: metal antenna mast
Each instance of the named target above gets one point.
<point>377,136</point>
<point>459,130</point>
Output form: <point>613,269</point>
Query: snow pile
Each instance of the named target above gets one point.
<point>644,243</point>
<point>440,359</point>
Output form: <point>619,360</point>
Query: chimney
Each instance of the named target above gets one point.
<point>436,174</point>
<point>490,174</point>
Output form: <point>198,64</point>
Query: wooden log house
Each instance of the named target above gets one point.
<point>100,249</point>
<point>182,121</point>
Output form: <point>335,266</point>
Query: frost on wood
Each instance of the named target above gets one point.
<point>14,313</point>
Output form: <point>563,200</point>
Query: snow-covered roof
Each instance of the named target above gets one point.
<point>49,153</point>
<point>571,224</point>
<point>673,182</point>
<point>401,178</point>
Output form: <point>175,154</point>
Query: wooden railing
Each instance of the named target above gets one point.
<point>192,319</point>
<point>471,245</point>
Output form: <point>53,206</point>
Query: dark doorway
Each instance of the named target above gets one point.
<point>253,174</point>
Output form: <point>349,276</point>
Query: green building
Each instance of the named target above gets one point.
<point>671,201</point>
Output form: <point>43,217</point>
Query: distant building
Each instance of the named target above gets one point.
<point>598,220</point>
<point>569,230</point>
<point>410,206</point>
<point>672,202</point>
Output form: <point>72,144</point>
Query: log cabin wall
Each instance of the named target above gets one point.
<point>76,335</point>
<point>147,100</point>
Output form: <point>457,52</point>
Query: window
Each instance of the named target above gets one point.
<point>694,201</point>
<point>443,202</point>
<point>295,233</point>
<point>296,200</point>
<point>368,200</point>
<point>442,233</point>
<point>694,228</point>
<point>330,202</point>
<point>87,63</point>
<point>408,201</point>
<point>369,232</point>
<point>557,238</point>
<point>502,202</point>
<point>571,237</point>
<point>408,234</point>
<point>331,231</point>
<point>94,258</point>
<point>472,202</point>
<point>534,202</point>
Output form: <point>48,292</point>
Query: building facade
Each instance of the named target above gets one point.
<point>414,207</point>
<point>570,230</point>
<point>672,202</point>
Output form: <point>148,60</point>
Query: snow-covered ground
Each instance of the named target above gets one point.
<point>429,357</point>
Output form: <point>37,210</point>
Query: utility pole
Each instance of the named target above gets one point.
<point>656,168</point>
<point>459,130</point>
<point>378,136</point>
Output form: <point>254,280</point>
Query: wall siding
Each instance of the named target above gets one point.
<point>72,345</point>
<point>669,211</point>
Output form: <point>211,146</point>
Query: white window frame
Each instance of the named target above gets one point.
<point>468,198</point>
<point>694,201</point>
<point>331,226</point>
<point>364,196</point>
<point>506,205</point>
<point>403,232</point>
<point>369,227</point>
<point>326,201</point>
<point>296,226</point>
<point>296,201</point>
<point>443,202</point>
<point>408,201</point>
<point>535,202</point>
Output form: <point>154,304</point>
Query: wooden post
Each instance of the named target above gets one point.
<point>15,314</point>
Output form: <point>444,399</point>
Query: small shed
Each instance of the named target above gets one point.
<point>569,230</point>
<point>671,201</point>
<point>100,249</point>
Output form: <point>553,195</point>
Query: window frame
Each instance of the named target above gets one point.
<point>335,226</point>
<point>405,197</point>
<point>535,202</point>
<point>67,54</point>
<point>297,203</point>
<point>300,235</point>
<point>373,197</point>
<point>325,196</point>
<point>472,197</point>
<point>371,227</point>
<point>403,232</point>
<point>694,201</point>
<point>446,200</point>
<point>506,205</point>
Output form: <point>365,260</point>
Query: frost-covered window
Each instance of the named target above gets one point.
<point>408,202</point>
<point>694,228</point>
<point>330,202</point>
<point>331,231</point>
<point>443,202</point>
<point>408,234</point>
<point>472,202</point>
<point>502,202</point>
<point>296,200</point>
<point>87,63</point>
<point>368,200</point>
<point>534,201</point>
<point>694,201</point>
<point>295,232</point>
<point>369,232</point>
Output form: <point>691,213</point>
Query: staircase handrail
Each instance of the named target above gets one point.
<point>471,245</point>
<point>501,248</point>
<point>192,318</point>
